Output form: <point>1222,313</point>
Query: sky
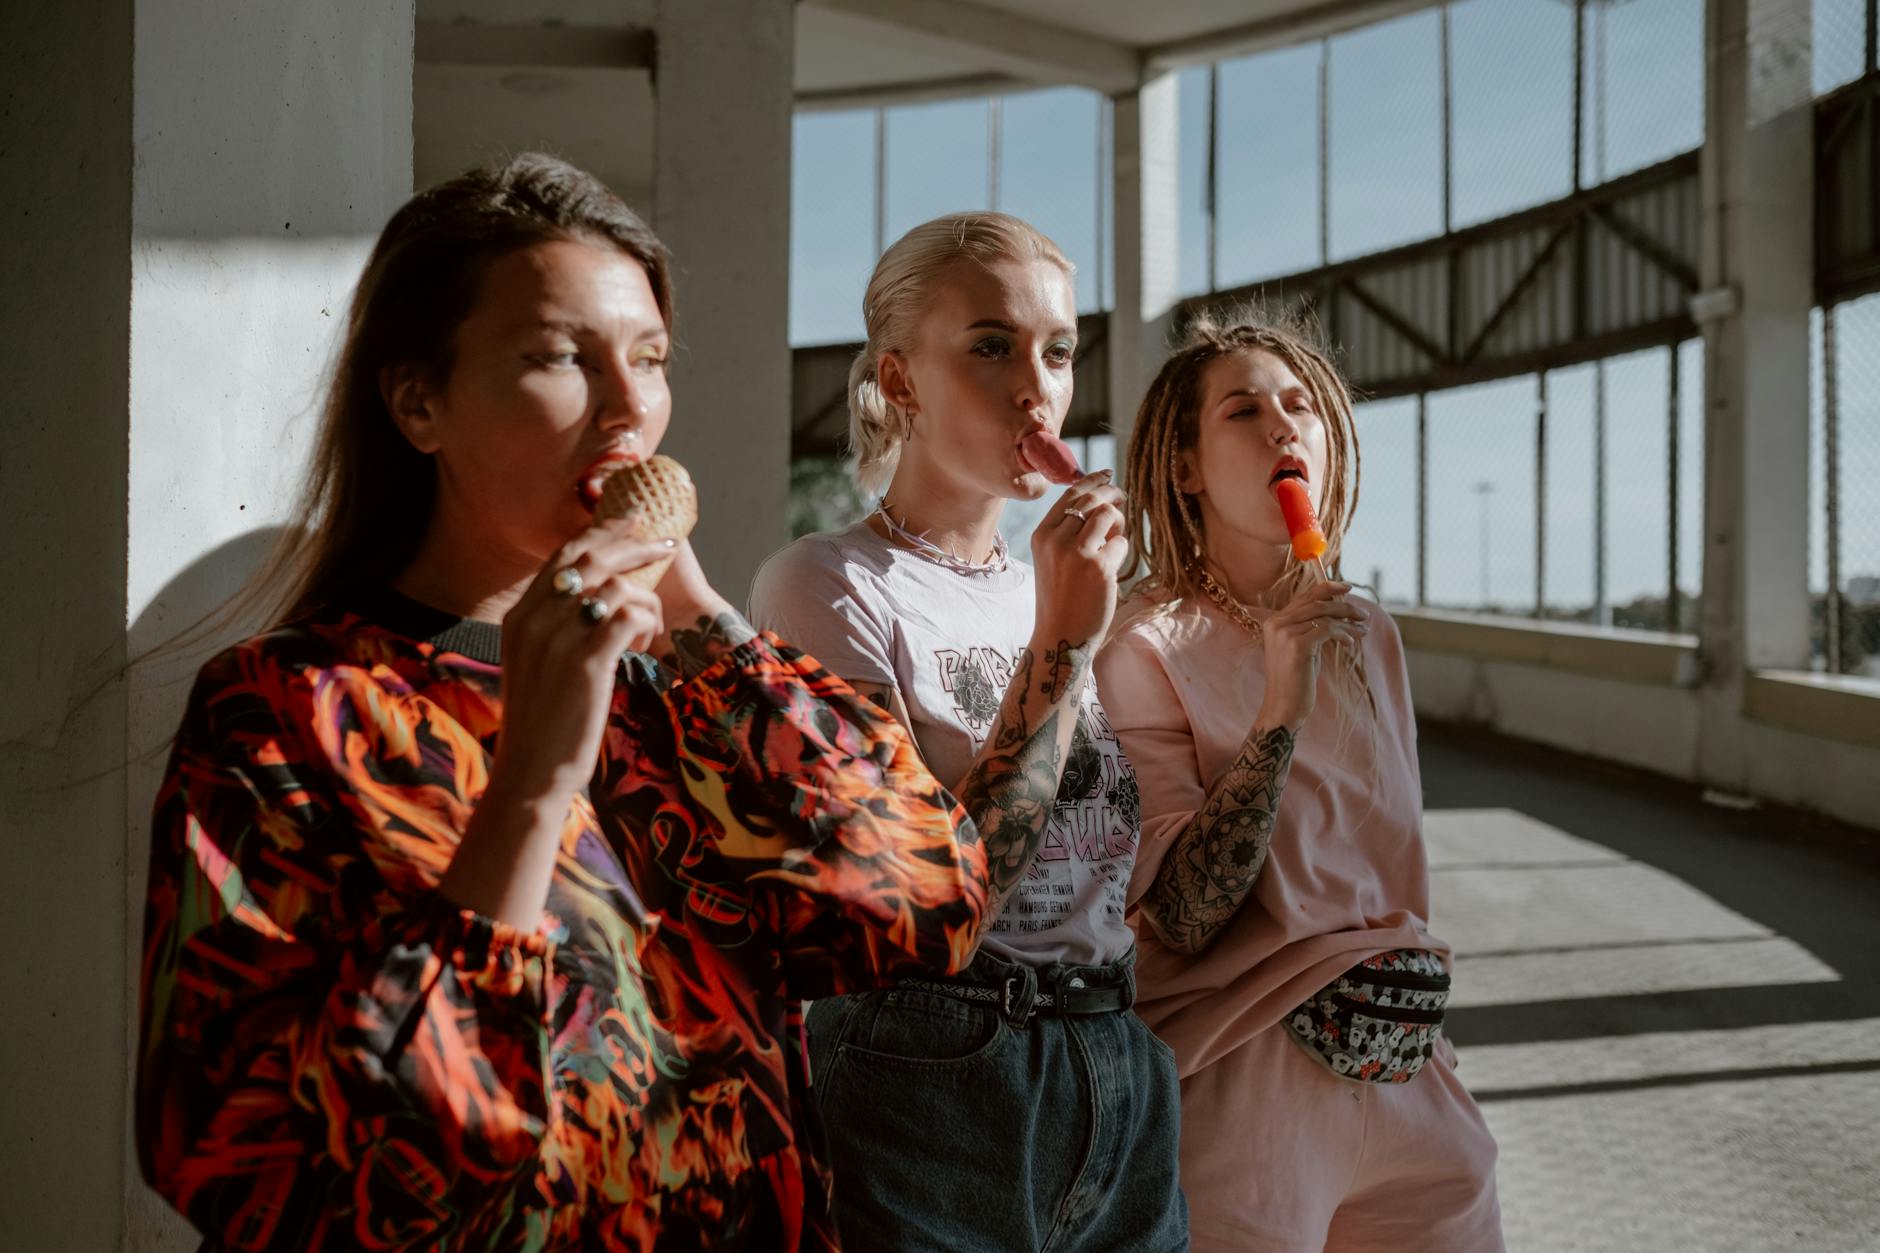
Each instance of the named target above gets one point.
<point>1042,155</point>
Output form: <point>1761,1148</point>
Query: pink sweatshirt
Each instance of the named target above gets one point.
<point>1346,875</point>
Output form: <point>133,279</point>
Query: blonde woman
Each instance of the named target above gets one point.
<point>1281,892</point>
<point>1020,1105</point>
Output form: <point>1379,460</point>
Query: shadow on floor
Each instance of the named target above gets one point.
<point>1806,878</point>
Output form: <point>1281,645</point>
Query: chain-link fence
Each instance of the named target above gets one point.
<point>1512,106</point>
<point>1841,39</point>
<point>1480,474</point>
<point>1385,138</point>
<point>833,202</point>
<point>1844,512</point>
<point>1381,546</point>
<point>1049,168</point>
<point>1267,165</point>
<point>1643,95</point>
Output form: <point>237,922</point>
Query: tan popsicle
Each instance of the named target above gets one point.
<point>660,492</point>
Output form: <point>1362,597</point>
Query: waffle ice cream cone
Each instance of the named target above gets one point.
<point>659,491</point>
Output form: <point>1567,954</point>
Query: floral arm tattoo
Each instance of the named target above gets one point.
<point>690,651</point>
<point>1012,787</point>
<point>1218,856</point>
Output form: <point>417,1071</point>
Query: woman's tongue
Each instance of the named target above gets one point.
<point>1050,456</point>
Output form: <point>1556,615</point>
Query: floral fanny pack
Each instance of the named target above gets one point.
<point>1379,1021</point>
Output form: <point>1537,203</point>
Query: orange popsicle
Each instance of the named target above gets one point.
<point>1295,502</point>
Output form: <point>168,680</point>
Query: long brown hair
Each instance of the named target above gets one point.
<point>1165,528</point>
<point>368,493</point>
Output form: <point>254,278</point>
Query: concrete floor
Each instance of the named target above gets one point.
<point>1670,1011</point>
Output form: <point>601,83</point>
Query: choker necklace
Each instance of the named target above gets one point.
<point>1229,606</point>
<point>996,564</point>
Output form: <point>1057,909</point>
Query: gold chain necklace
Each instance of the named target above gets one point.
<point>1229,606</point>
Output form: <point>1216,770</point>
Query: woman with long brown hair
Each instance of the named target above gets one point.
<point>1281,892</point>
<point>471,926</point>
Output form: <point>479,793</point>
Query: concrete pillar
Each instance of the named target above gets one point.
<point>66,209</point>
<point>1758,187</point>
<point>205,182</point>
<point>721,201</point>
<point>1148,245</point>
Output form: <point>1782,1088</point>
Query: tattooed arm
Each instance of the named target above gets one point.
<point>690,649</point>
<point>1012,786</point>
<point>1217,857</point>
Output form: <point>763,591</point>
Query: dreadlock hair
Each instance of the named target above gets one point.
<point>1167,537</point>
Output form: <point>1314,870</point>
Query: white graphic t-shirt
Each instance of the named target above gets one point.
<point>872,612</point>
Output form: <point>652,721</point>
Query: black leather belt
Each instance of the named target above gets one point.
<point>1066,999</point>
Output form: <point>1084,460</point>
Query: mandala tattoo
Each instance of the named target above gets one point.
<point>1217,858</point>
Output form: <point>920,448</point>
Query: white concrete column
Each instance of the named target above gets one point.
<point>1758,186</point>
<point>721,196</point>
<point>1145,159</point>
<point>207,179</point>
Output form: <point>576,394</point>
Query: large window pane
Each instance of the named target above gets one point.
<point>1192,172</point>
<point>1381,545</point>
<point>1268,165</point>
<point>1840,39</point>
<point>1512,70</point>
<point>1481,506</point>
<point>1644,84</point>
<point>1638,446</point>
<point>1387,135</point>
<point>939,161</point>
<point>1857,397</point>
<point>832,224</point>
<point>1569,574</point>
<point>1048,173</point>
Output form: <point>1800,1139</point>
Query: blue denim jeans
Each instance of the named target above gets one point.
<point>964,1127</point>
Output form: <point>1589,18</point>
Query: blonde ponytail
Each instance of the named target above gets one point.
<point>876,428</point>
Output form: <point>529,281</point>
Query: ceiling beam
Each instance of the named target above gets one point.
<point>533,47</point>
<point>1002,41</point>
<point>916,91</point>
<point>1315,21</point>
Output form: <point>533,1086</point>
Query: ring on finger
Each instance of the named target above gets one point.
<point>1074,513</point>
<point>568,582</point>
<point>594,609</point>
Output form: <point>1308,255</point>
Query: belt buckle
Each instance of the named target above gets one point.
<point>1010,995</point>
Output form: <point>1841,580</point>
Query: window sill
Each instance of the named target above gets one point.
<point>1840,707</point>
<point>1648,657</point>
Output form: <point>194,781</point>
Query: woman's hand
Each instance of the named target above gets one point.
<point>1293,639</point>
<point>561,644</point>
<point>558,660</point>
<point>1077,551</point>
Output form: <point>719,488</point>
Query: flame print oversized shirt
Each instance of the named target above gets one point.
<point>336,1057</point>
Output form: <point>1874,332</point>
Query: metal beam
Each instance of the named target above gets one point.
<point>1004,41</point>
<point>533,47</point>
<point>1319,21</point>
<point>1396,322</point>
<point>920,91</point>
<point>1647,246</point>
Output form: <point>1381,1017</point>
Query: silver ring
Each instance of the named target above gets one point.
<point>594,609</point>
<point>568,582</point>
<point>1074,513</point>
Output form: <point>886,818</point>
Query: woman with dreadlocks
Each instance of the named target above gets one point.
<point>1281,890</point>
